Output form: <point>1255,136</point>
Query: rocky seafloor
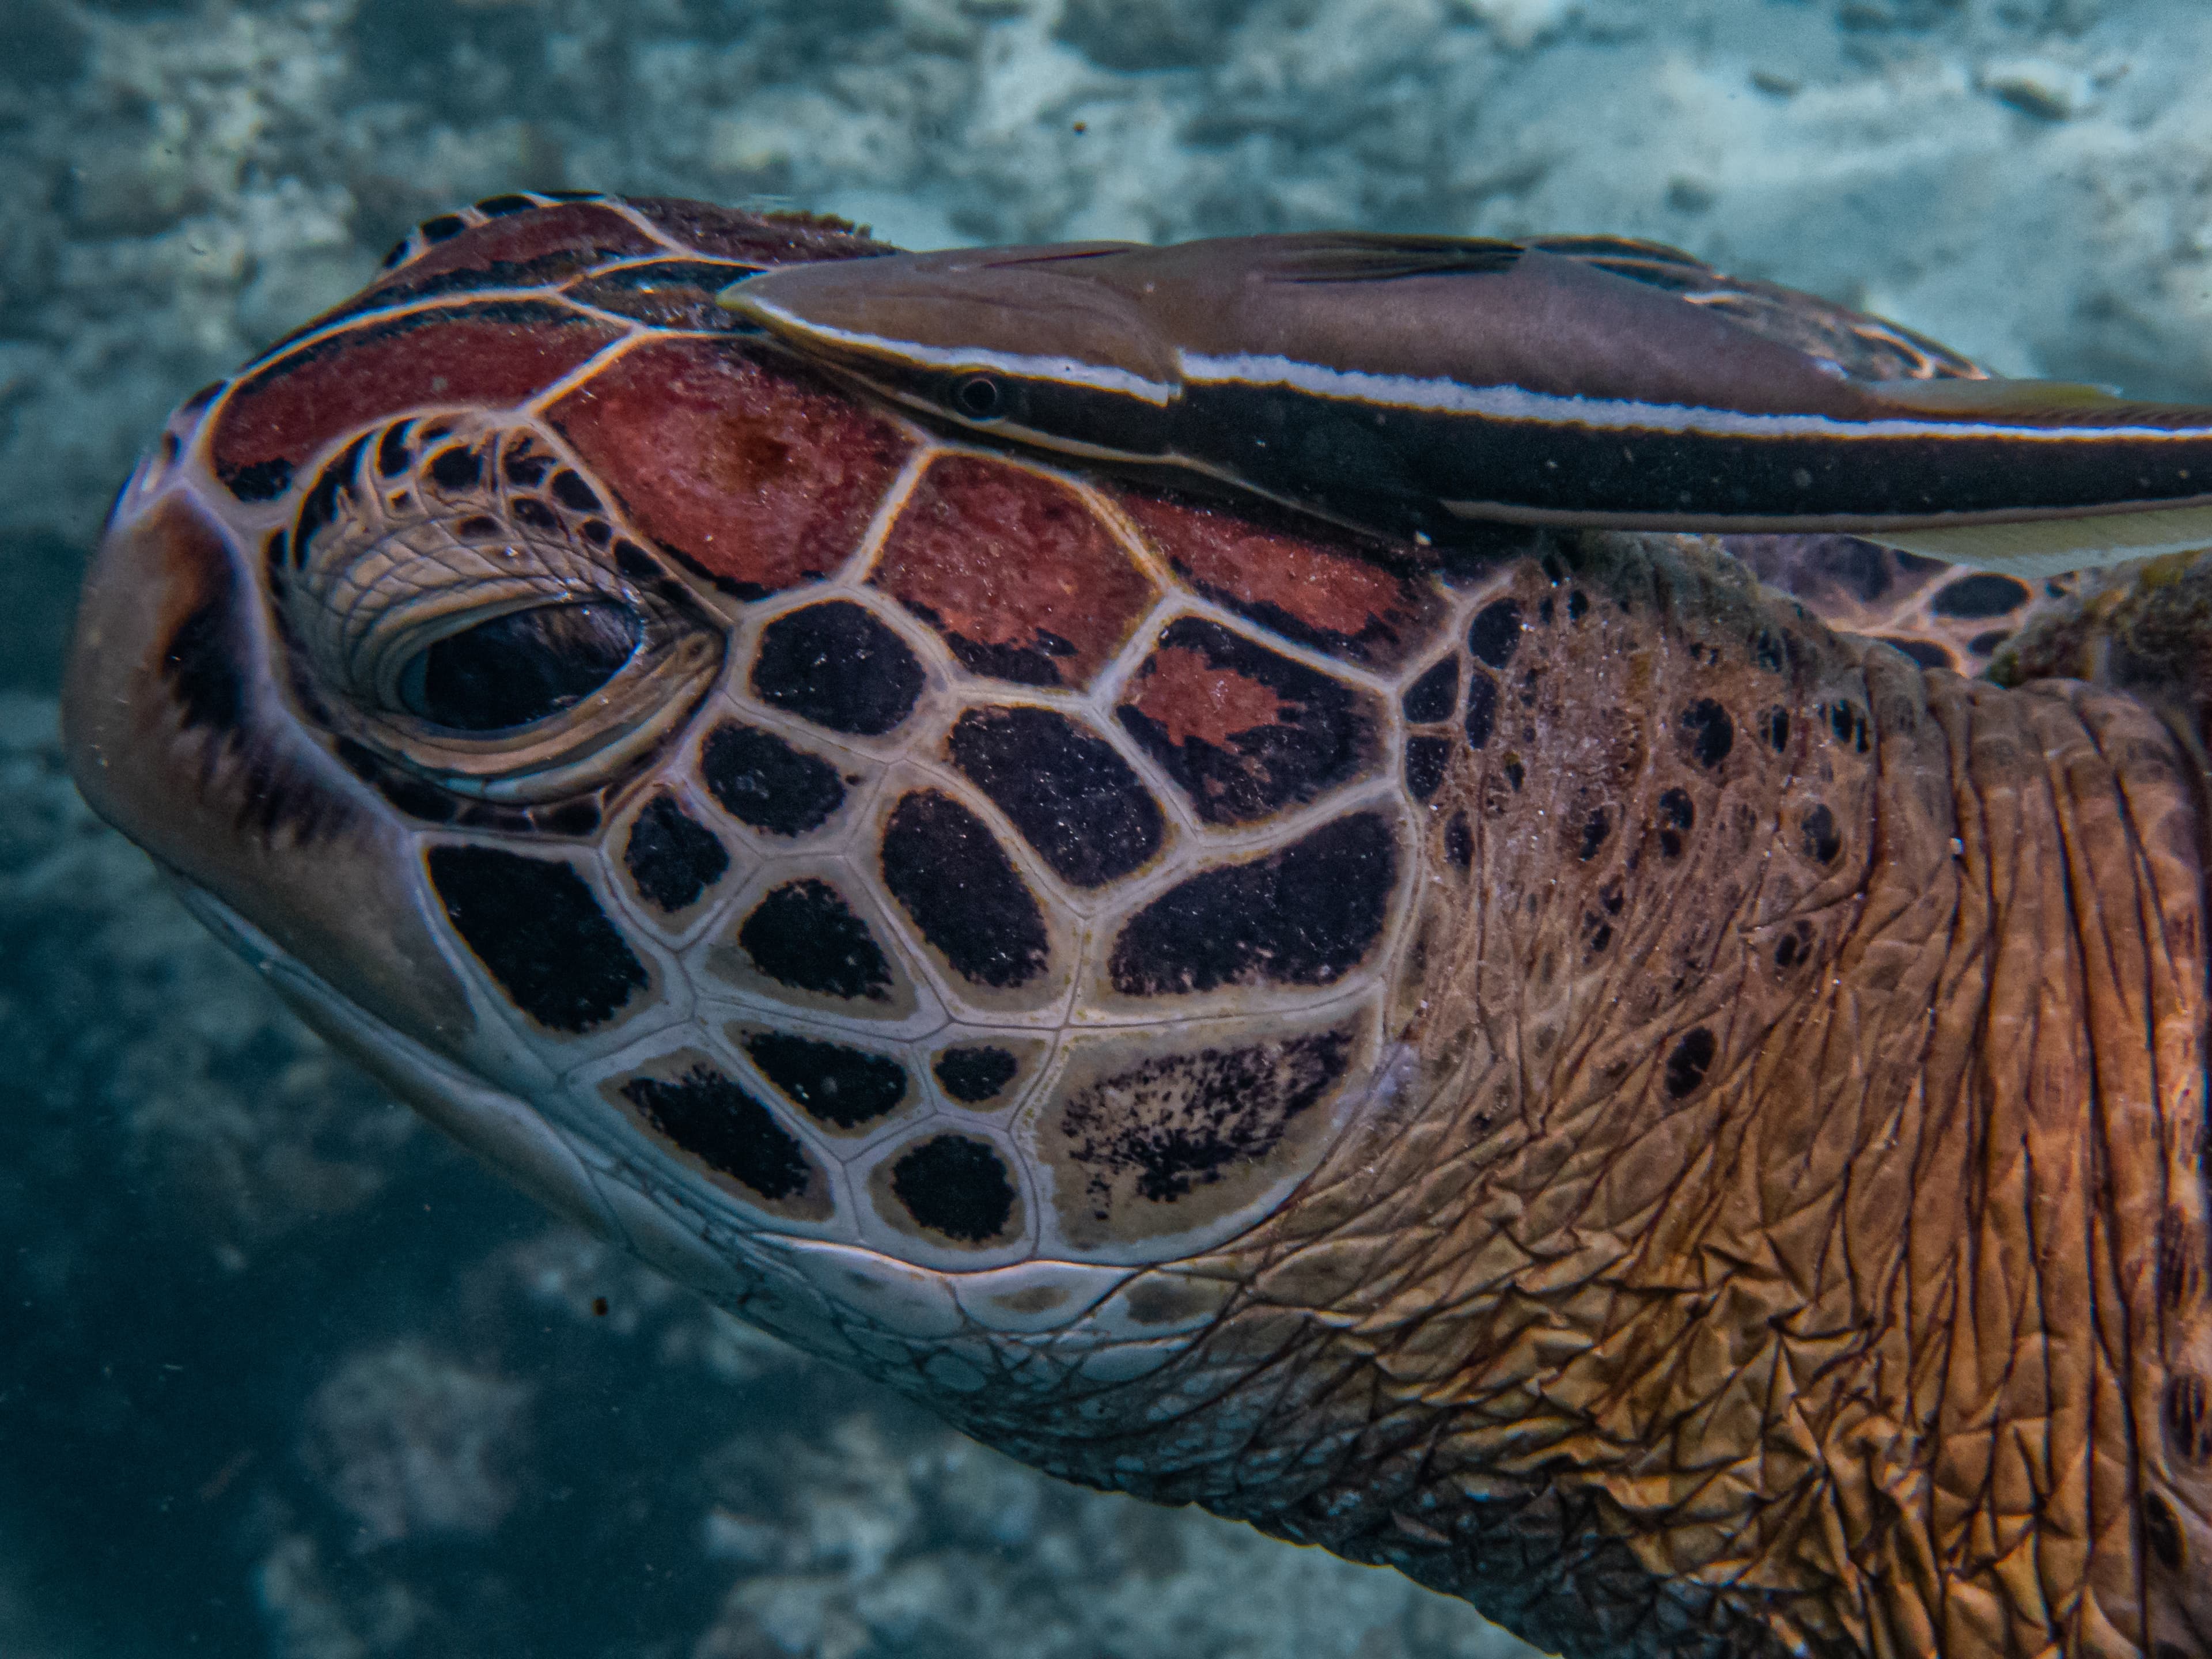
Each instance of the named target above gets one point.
<point>284,1374</point>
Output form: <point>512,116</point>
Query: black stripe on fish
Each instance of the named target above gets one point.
<point>1590,461</point>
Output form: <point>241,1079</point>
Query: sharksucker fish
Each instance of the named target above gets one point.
<point>1407,382</point>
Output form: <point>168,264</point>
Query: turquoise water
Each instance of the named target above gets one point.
<point>284,1374</point>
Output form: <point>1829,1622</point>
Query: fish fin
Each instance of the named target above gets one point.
<point>2047,547</point>
<point>2014,399</point>
<point>1655,265</point>
<point>1862,347</point>
<point>1352,256</point>
<point>1060,254</point>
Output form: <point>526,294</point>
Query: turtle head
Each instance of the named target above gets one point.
<point>274,703</point>
<point>182,730</point>
<point>860,872</point>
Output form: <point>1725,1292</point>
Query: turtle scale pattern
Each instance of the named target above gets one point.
<point>1559,1073</point>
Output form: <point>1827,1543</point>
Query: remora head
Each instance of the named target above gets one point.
<point>1025,340</point>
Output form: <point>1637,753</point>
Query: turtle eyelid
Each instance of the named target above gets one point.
<point>519,667</point>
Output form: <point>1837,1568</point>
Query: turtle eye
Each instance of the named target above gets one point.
<point>464,606</point>
<point>978,398</point>
<point>520,668</point>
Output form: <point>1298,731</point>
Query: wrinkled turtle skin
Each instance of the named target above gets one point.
<point>1554,1070</point>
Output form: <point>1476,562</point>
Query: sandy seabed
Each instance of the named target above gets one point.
<point>283,1373</point>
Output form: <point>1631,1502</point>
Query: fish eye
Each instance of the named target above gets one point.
<point>978,398</point>
<point>520,668</point>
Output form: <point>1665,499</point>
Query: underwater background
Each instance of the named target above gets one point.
<point>283,1373</point>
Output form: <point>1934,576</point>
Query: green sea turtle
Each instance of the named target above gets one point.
<point>1545,1065</point>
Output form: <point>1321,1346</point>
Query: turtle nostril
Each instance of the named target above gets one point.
<point>520,667</point>
<point>977,398</point>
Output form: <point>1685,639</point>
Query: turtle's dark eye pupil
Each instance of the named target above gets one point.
<point>977,397</point>
<point>519,668</point>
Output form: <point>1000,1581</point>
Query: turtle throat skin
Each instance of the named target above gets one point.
<point>1792,1241</point>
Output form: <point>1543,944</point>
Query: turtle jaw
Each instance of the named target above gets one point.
<point>504,1130</point>
<point>554,1160</point>
<point>177,734</point>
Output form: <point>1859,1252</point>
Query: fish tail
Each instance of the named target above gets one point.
<point>2047,547</point>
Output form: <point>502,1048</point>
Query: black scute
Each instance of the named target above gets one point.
<point>1426,759</point>
<point>1306,915</point>
<point>1067,789</point>
<point>1983,594</point>
<point>1495,634</point>
<point>974,1073</point>
<point>536,926</point>
<point>835,665</point>
<point>1481,708</point>
<point>834,1084</point>
<point>672,856</point>
<point>761,780</point>
<point>804,934</point>
<point>719,1123</point>
<point>955,1186</point>
<point>963,891</point>
<point>1432,697</point>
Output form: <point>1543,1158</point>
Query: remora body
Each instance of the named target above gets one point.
<point>1573,382</point>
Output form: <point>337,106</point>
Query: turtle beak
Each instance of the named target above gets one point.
<point>178,735</point>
